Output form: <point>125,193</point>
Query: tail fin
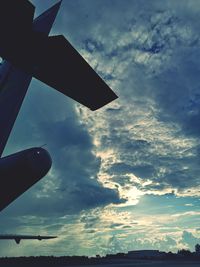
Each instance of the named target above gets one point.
<point>54,61</point>
<point>63,68</point>
<point>45,21</point>
<point>14,82</point>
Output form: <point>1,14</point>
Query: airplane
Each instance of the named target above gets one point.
<point>28,51</point>
<point>18,238</point>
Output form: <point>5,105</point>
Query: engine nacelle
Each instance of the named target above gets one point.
<point>19,171</point>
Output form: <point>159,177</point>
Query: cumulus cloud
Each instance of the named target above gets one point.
<point>152,130</point>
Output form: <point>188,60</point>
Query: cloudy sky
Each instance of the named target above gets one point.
<point>126,176</point>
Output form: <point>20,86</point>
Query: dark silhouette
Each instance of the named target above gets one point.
<point>121,258</point>
<point>20,171</point>
<point>28,51</point>
<point>18,238</point>
<point>138,256</point>
<point>52,60</point>
<point>197,249</point>
<point>184,252</point>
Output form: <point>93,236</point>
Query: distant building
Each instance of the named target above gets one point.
<point>145,254</point>
<point>197,249</point>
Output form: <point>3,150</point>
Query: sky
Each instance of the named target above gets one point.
<point>124,177</point>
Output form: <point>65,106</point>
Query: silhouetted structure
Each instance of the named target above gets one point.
<point>197,249</point>
<point>138,256</point>
<point>184,252</point>
<point>28,50</point>
<point>145,254</point>
<point>18,238</point>
<point>121,258</point>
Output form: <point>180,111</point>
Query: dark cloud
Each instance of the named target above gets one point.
<point>178,97</point>
<point>155,54</point>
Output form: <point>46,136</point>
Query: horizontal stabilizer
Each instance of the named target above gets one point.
<point>63,68</point>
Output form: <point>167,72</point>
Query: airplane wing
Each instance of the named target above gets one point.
<point>63,68</point>
<point>18,238</point>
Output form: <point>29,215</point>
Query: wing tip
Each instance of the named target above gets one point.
<point>102,104</point>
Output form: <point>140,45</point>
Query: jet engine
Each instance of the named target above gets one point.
<point>19,171</point>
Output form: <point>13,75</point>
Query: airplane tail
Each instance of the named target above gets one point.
<point>14,81</point>
<point>60,66</point>
<point>54,61</point>
<point>45,21</point>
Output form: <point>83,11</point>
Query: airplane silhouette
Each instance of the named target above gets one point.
<point>18,238</point>
<point>28,51</point>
